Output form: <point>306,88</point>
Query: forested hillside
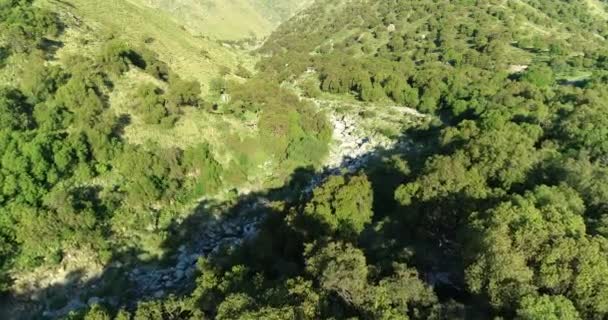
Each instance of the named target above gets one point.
<point>470,139</point>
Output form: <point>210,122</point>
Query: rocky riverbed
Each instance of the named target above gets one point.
<point>351,148</point>
<point>355,142</point>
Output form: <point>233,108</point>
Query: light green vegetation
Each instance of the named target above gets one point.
<point>227,20</point>
<point>188,55</point>
<point>110,102</point>
<point>599,8</point>
<point>183,35</point>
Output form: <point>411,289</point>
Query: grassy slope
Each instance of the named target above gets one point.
<point>190,56</point>
<point>599,8</point>
<point>227,20</point>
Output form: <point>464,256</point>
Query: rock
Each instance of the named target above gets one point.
<point>249,230</point>
<point>93,301</point>
<point>229,229</point>
<point>74,304</point>
<point>194,257</point>
<point>179,274</point>
<point>517,68</point>
<point>159,294</point>
<point>182,264</point>
<point>190,272</point>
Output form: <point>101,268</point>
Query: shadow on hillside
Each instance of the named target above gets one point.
<point>225,233</point>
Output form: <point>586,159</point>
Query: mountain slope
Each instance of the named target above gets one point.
<point>468,172</point>
<point>228,20</point>
<point>185,34</point>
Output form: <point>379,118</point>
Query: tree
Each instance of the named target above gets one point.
<point>539,75</point>
<point>343,205</point>
<point>538,243</point>
<point>586,127</point>
<point>15,113</point>
<point>97,312</point>
<point>200,164</point>
<point>401,92</point>
<point>24,25</point>
<point>150,104</point>
<point>117,57</point>
<point>39,82</point>
<point>399,295</point>
<point>341,269</point>
<point>547,308</point>
<point>182,92</point>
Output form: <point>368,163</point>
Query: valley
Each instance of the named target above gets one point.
<point>318,159</point>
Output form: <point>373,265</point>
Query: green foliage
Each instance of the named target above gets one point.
<point>501,205</point>
<point>153,66</point>
<point>15,113</point>
<point>289,128</point>
<point>116,57</point>
<point>539,75</point>
<point>150,104</point>
<point>205,170</point>
<point>24,26</point>
<point>97,312</point>
<point>547,307</point>
<point>540,235</point>
<point>340,269</point>
<point>243,72</point>
<point>217,85</point>
<point>342,205</point>
<point>182,92</point>
<point>584,127</point>
<point>39,82</point>
<point>310,88</point>
<point>150,177</point>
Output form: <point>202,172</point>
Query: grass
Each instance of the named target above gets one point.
<point>171,30</point>
<point>10,73</point>
<point>225,20</point>
<point>234,142</point>
<point>574,76</point>
<point>598,8</point>
<point>190,56</point>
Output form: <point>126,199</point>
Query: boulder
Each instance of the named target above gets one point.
<point>93,301</point>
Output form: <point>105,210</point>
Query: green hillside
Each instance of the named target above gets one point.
<point>282,159</point>
<point>190,55</point>
<point>227,20</point>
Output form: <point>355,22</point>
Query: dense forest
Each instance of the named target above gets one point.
<point>499,212</point>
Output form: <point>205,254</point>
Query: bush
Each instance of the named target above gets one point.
<point>150,104</point>
<point>182,92</point>
<point>116,57</point>
<point>310,88</point>
<point>243,72</point>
